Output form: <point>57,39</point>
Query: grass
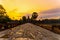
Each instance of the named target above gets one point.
<point>49,27</point>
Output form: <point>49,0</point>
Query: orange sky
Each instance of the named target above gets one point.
<point>18,8</point>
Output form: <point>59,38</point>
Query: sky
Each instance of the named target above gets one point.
<point>18,8</point>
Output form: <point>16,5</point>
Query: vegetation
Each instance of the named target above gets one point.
<point>34,15</point>
<point>4,18</point>
<point>6,22</point>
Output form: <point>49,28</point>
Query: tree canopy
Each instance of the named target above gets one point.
<point>34,15</point>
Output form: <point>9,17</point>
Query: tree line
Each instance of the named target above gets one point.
<point>4,19</point>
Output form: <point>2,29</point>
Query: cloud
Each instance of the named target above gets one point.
<point>54,13</point>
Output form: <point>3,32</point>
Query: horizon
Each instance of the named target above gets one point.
<point>19,8</point>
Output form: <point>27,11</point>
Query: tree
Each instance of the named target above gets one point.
<point>34,15</point>
<point>24,19</point>
<point>3,16</point>
<point>7,19</point>
<point>2,11</point>
<point>28,19</point>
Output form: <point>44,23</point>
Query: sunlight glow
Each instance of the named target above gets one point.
<point>23,8</point>
<point>0,1</point>
<point>27,6</point>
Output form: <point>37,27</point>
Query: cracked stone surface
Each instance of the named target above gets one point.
<point>28,31</point>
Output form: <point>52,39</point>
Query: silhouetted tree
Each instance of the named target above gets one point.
<point>20,21</point>
<point>24,19</point>
<point>3,16</point>
<point>2,11</point>
<point>28,19</point>
<point>7,19</point>
<point>34,15</point>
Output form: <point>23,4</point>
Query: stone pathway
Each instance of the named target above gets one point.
<point>30,32</point>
